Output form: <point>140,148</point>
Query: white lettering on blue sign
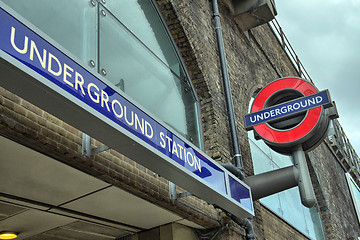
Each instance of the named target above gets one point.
<point>76,81</point>
<point>286,109</point>
<point>181,152</point>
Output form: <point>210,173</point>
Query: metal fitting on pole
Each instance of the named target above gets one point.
<point>306,190</point>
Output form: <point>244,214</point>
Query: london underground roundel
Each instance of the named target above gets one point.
<point>289,112</point>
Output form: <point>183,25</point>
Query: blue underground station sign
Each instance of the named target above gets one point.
<point>292,117</point>
<point>36,68</point>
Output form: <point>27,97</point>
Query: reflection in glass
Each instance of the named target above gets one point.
<point>151,31</point>
<point>355,194</point>
<point>70,23</point>
<point>240,193</point>
<point>135,70</point>
<point>129,45</point>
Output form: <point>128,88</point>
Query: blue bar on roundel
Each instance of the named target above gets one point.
<point>287,109</point>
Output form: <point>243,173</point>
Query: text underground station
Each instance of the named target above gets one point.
<point>103,98</point>
<point>36,53</point>
<point>287,109</point>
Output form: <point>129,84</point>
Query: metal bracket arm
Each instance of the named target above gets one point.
<point>86,149</point>
<point>268,183</point>
<point>173,195</point>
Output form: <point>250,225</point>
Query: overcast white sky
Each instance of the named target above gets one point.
<point>325,34</point>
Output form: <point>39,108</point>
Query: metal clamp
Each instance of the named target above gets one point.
<point>86,149</point>
<point>173,195</point>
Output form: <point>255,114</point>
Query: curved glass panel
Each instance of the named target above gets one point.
<point>71,23</point>
<point>355,194</point>
<point>140,74</point>
<point>151,31</point>
<point>129,45</point>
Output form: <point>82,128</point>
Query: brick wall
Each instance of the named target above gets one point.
<point>35,128</point>
<point>333,195</point>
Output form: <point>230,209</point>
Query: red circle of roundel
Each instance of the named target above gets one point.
<point>293,134</point>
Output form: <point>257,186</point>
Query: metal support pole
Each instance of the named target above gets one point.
<point>298,65</point>
<point>229,102</point>
<point>86,145</point>
<point>307,194</point>
<point>172,191</point>
<point>230,106</point>
<point>282,38</point>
